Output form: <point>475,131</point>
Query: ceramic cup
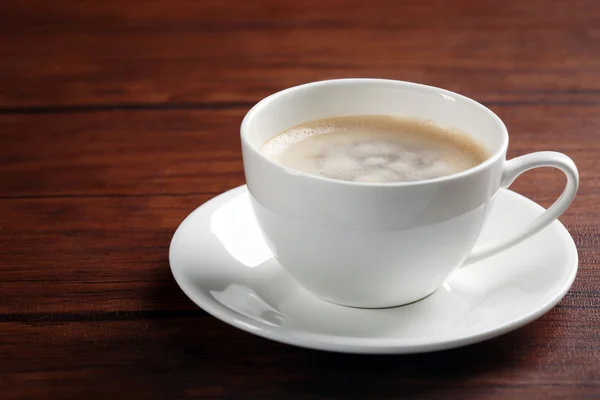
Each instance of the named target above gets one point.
<point>383,244</point>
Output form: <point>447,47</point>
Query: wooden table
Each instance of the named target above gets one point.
<point>117,118</point>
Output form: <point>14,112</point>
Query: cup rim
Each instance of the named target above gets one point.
<point>492,159</point>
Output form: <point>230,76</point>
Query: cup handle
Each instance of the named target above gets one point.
<point>512,170</point>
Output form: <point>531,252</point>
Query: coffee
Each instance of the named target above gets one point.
<point>375,148</point>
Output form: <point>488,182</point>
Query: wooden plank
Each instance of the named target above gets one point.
<point>61,54</point>
<point>116,153</point>
<point>156,15</point>
<point>201,358</point>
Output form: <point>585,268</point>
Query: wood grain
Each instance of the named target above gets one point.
<point>119,118</point>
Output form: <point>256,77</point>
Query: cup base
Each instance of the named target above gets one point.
<point>370,307</point>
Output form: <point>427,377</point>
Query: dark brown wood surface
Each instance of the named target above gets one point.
<point>117,118</point>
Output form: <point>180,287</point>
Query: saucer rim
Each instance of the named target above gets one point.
<point>362,345</point>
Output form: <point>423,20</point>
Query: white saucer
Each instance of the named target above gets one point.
<point>220,260</point>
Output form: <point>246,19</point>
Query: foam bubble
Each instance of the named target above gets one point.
<point>378,175</point>
<point>339,165</point>
<point>376,161</point>
<point>374,148</point>
<point>401,166</point>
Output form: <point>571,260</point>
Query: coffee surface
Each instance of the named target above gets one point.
<point>375,148</point>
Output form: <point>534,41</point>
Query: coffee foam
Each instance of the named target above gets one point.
<point>375,148</point>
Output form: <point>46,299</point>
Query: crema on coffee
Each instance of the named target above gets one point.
<point>375,148</point>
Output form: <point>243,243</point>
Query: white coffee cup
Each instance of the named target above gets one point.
<point>382,244</point>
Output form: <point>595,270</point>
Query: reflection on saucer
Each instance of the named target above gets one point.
<point>247,302</point>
